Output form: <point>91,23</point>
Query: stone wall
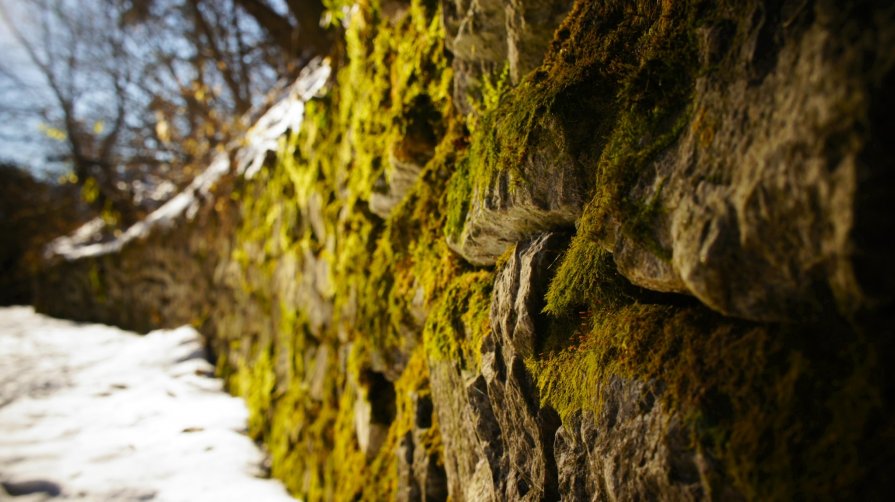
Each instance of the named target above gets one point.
<point>536,250</point>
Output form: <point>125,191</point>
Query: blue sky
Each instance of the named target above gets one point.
<point>14,130</point>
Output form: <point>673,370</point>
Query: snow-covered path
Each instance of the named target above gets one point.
<point>90,412</point>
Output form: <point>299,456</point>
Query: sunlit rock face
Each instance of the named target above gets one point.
<point>546,190</point>
<point>488,37</point>
<point>513,434</point>
<point>535,250</point>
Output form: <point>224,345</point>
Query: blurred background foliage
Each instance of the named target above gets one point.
<point>130,99</point>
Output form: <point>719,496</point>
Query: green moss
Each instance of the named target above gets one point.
<point>411,264</point>
<point>383,470</point>
<point>459,194</point>
<point>376,478</point>
<point>391,99</point>
<point>618,83</point>
<point>776,406</point>
<point>586,276</point>
<point>615,91</point>
<point>460,321</point>
<point>255,384</point>
<point>96,281</point>
<point>744,390</point>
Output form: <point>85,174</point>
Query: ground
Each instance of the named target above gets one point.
<point>91,412</point>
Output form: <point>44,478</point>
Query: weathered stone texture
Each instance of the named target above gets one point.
<point>487,35</point>
<point>545,191</point>
<point>513,433</point>
<point>633,450</point>
<point>754,205</point>
<point>761,189</point>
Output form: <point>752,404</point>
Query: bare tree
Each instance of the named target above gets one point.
<point>299,33</point>
<point>67,47</point>
<point>138,92</point>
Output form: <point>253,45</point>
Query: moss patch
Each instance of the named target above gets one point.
<point>614,91</point>
<point>776,405</point>
<point>460,321</point>
<point>307,232</point>
<point>586,276</point>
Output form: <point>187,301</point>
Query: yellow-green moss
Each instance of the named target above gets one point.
<point>255,384</point>
<point>460,321</point>
<point>382,477</point>
<point>586,276</point>
<point>96,281</point>
<point>615,89</point>
<point>360,478</point>
<point>772,404</point>
<point>391,97</point>
<point>751,395</point>
<point>411,257</point>
<point>396,82</point>
<point>459,196</point>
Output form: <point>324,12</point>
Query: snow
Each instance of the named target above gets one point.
<point>99,414</point>
<point>287,114</point>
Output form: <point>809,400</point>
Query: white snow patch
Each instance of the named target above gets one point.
<point>105,414</point>
<point>186,203</point>
<point>287,114</point>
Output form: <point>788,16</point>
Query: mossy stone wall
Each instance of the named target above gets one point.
<point>630,273</point>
